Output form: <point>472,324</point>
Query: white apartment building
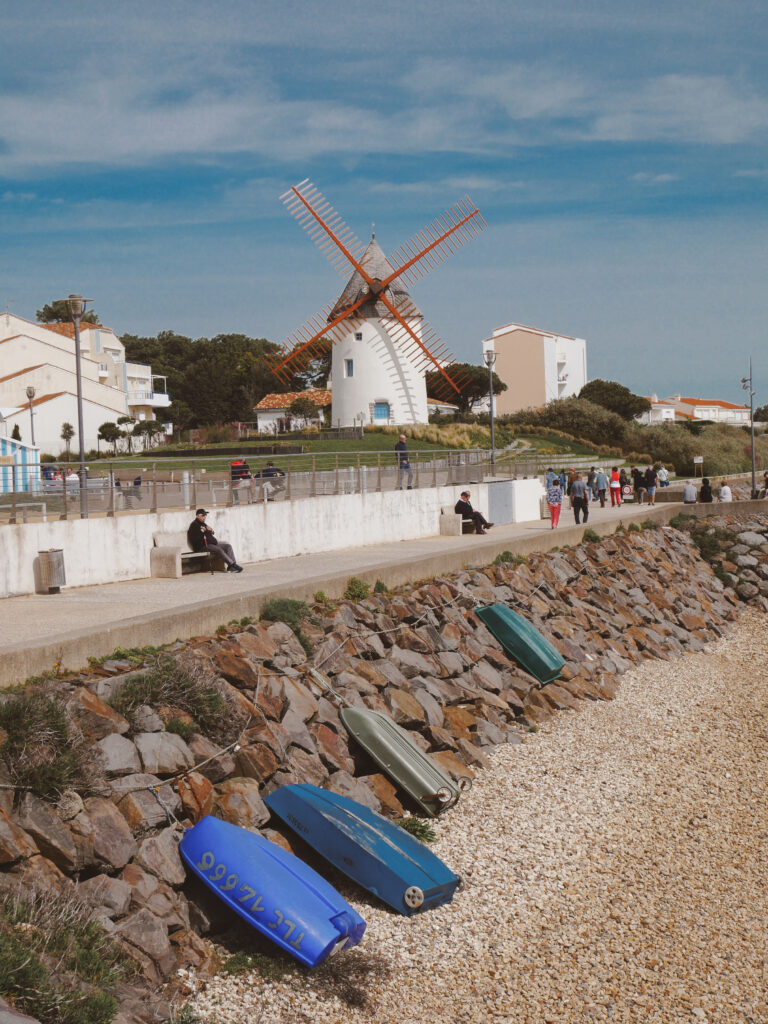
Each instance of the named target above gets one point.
<point>537,366</point>
<point>42,356</point>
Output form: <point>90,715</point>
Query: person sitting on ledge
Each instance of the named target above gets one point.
<point>705,492</point>
<point>689,493</point>
<point>202,538</point>
<point>465,510</point>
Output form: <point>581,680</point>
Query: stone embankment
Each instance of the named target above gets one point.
<point>420,655</point>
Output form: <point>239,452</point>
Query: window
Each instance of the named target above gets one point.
<point>358,335</point>
<point>349,367</point>
<point>381,411</point>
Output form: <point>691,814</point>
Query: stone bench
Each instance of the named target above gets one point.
<point>171,557</point>
<point>452,524</point>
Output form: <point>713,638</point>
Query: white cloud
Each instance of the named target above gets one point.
<point>645,177</point>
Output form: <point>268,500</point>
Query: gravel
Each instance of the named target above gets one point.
<point>614,870</point>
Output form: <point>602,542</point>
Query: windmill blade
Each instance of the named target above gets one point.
<point>436,242</point>
<point>404,336</point>
<point>301,347</point>
<point>324,226</point>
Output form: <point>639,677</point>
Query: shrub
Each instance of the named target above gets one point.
<point>633,528</point>
<point>417,827</point>
<point>590,535</point>
<point>55,962</point>
<point>181,728</point>
<point>357,590</point>
<point>380,587</point>
<point>291,612</point>
<point>509,557</point>
<point>41,752</point>
<point>167,683</point>
<point>649,524</point>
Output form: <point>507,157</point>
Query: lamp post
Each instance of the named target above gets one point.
<point>490,359</point>
<point>30,396</point>
<point>76,304</point>
<point>746,384</point>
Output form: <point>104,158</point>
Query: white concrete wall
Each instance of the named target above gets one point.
<point>106,550</point>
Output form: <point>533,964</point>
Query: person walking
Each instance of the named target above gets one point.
<point>601,486</point>
<point>579,498</point>
<point>591,483</point>
<point>615,487</point>
<point>403,463</point>
<point>555,501</point>
<point>202,538</point>
<point>651,480</point>
<point>638,484</point>
<point>663,476</point>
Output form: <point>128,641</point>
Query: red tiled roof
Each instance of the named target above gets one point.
<point>281,400</point>
<point>68,330</point>
<point>712,401</point>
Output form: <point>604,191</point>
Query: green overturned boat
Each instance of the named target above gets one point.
<point>522,641</point>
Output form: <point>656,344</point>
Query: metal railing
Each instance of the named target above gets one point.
<point>149,484</point>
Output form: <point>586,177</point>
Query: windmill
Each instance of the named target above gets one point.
<point>381,344</point>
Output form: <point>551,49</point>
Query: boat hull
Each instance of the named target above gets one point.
<point>368,848</point>
<point>523,641</point>
<point>406,764</point>
<point>273,891</point>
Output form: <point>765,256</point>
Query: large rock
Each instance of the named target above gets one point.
<point>118,755</point>
<point>297,732</point>
<point>53,838</point>
<point>282,636</point>
<point>196,794</point>
<point>15,844</point>
<point>143,799</point>
<point>238,801</point>
<point>10,1016</point>
<point>332,748</point>
<point>300,699</point>
<point>385,793</point>
<point>147,891</point>
<point>218,766</point>
<point>163,753</point>
<point>347,785</point>
<point>256,761</point>
<point>237,670</point>
<point>94,718</point>
<point>160,856</point>
<point>102,825</point>
<point>404,709</point>
<point>112,895</point>
<point>256,641</point>
<point>146,938</point>
<point>307,767</point>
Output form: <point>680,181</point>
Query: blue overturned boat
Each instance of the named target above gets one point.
<point>523,641</point>
<point>278,894</point>
<point>368,848</point>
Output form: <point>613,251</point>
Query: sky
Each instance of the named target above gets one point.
<point>618,153</point>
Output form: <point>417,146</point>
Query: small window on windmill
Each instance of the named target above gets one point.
<point>349,366</point>
<point>358,336</point>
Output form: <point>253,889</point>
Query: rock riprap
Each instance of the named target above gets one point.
<point>419,655</point>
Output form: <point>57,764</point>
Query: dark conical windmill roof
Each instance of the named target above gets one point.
<point>377,266</point>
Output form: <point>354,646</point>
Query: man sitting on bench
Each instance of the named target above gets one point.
<point>202,538</point>
<point>476,520</point>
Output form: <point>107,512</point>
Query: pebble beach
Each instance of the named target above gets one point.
<point>613,868</point>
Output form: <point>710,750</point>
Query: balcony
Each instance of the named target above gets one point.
<point>157,399</point>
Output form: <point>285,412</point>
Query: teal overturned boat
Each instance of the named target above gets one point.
<point>522,641</point>
<point>371,850</point>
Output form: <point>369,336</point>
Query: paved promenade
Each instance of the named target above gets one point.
<point>40,631</point>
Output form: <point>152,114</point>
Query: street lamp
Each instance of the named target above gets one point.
<point>746,384</point>
<point>490,359</point>
<point>76,304</point>
<point>30,396</point>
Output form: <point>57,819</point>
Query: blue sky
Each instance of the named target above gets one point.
<point>618,152</point>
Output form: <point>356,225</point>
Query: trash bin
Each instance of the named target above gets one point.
<point>52,575</point>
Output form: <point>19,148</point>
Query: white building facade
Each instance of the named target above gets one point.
<point>537,366</point>
<point>42,356</point>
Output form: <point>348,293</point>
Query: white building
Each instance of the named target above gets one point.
<point>272,414</point>
<point>375,366</point>
<point>537,366</point>
<point>42,356</point>
<point>677,409</point>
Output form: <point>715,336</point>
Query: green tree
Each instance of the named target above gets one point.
<point>318,370</point>
<point>761,414</point>
<point>16,433</point>
<point>67,433</point>
<point>128,425</point>
<point>111,433</point>
<point>302,408</point>
<point>473,383</point>
<point>615,397</point>
<point>57,312</point>
<point>148,429</point>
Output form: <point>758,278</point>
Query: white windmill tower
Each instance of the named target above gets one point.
<point>382,346</point>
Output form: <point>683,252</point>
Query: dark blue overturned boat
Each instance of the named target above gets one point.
<point>275,892</point>
<point>373,851</point>
<point>523,641</point>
